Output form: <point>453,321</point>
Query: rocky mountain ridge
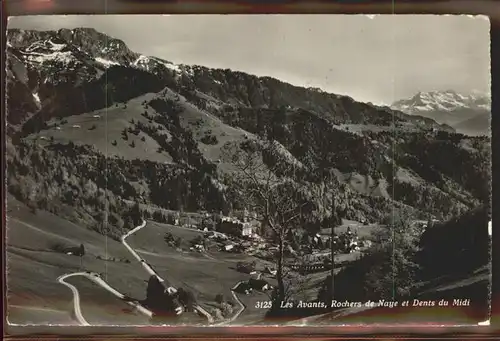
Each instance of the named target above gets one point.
<point>79,56</point>
<point>79,97</point>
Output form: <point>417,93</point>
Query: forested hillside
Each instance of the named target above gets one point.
<point>92,123</point>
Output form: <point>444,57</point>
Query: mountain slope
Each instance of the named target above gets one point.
<point>468,114</point>
<point>86,112</point>
<point>475,126</point>
<point>452,262</point>
<point>73,58</point>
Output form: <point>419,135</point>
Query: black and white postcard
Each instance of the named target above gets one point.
<point>213,170</point>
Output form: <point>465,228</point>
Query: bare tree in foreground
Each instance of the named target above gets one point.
<point>262,178</point>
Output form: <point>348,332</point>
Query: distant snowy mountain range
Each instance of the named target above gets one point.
<point>468,114</point>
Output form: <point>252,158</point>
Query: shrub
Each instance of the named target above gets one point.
<point>58,247</point>
<point>219,298</point>
<point>186,298</point>
<point>209,139</point>
<point>217,314</point>
<point>178,242</point>
<point>226,308</point>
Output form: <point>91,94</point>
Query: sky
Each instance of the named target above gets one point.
<point>376,59</point>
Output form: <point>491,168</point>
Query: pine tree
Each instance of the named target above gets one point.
<point>135,214</point>
<point>81,253</point>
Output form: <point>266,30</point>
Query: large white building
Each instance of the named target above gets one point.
<point>236,227</point>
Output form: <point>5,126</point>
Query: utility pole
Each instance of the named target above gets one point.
<point>332,249</point>
<point>82,253</point>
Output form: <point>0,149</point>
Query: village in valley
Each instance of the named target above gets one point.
<point>242,233</point>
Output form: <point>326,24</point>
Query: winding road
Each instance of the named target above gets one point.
<point>152,272</point>
<point>76,298</point>
<point>238,313</point>
<point>171,289</point>
<point>98,280</point>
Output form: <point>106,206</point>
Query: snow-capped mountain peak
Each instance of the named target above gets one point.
<point>141,60</point>
<point>467,113</point>
<point>150,64</point>
<point>444,101</point>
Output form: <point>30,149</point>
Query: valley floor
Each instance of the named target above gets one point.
<point>36,297</point>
